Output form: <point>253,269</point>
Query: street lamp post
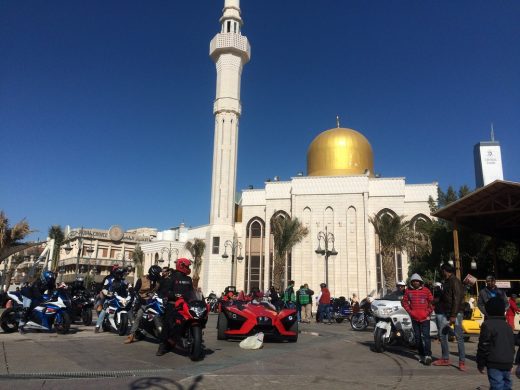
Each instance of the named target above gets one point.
<point>169,250</point>
<point>233,246</point>
<point>327,238</point>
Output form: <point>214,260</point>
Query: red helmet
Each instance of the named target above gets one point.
<point>183,265</point>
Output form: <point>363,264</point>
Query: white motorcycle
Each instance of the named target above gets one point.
<point>393,323</point>
<point>116,317</point>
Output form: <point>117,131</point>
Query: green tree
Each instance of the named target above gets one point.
<point>286,234</point>
<point>11,237</point>
<point>394,234</point>
<point>56,232</point>
<point>138,259</point>
<point>463,191</point>
<point>196,248</point>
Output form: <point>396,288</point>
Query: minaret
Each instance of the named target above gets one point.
<point>230,50</point>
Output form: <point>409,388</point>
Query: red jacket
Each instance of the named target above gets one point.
<point>418,303</point>
<point>325,296</point>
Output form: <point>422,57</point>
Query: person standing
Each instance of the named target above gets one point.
<point>496,346</point>
<point>289,297</point>
<point>490,291</point>
<point>323,304</point>
<point>451,305</point>
<point>512,311</point>
<point>417,301</point>
<point>304,298</point>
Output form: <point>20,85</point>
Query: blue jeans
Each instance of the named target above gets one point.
<point>499,379</point>
<point>421,332</point>
<point>443,324</point>
<point>324,312</point>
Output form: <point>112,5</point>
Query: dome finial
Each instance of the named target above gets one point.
<point>337,121</point>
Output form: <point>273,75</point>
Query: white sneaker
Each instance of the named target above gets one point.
<point>428,360</point>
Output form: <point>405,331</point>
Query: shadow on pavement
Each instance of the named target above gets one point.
<point>157,383</point>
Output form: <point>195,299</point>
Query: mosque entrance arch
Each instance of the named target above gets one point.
<point>288,260</point>
<point>254,270</point>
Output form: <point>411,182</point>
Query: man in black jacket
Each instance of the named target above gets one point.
<point>451,306</point>
<point>496,346</point>
<point>177,284</point>
<point>490,291</point>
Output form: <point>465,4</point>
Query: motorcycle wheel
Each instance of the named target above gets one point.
<point>62,323</point>
<point>122,327</point>
<point>339,320</point>
<point>222,326</point>
<point>196,350</point>
<point>8,321</point>
<point>379,342</point>
<point>86,316</point>
<point>358,322</point>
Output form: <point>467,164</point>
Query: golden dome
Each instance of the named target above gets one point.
<point>339,152</point>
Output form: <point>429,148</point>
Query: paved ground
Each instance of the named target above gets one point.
<point>337,358</point>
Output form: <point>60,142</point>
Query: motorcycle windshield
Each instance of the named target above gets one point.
<point>193,296</point>
<point>393,296</point>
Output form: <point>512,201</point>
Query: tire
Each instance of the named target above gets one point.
<point>196,351</point>
<point>8,321</point>
<point>222,326</point>
<point>339,320</point>
<point>379,343</point>
<point>293,328</point>
<point>359,322</point>
<point>122,327</point>
<point>62,323</point>
<point>86,316</point>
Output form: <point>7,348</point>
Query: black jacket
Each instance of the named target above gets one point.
<point>517,342</point>
<point>486,294</point>
<point>496,344</point>
<point>176,284</point>
<point>36,290</point>
<point>451,300</point>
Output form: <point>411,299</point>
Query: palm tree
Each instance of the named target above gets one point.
<point>394,234</point>
<point>138,258</point>
<point>56,232</point>
<point>286,234</point>
<point>10,237</point>
<point>196,248</point>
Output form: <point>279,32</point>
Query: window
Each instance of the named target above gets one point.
<point>216,246</point>
<point>229,26</point>
<point>104,252</point>
<point>399,264</point>
<point>378,272</point>
<point>112,253</point>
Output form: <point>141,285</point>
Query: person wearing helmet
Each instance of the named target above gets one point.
<point>418,302</point>
<point>113,283</point>
<point>32,295</point>
<point>145,287</point>
<point>400,288</point>
<point>178,284</point>
<point>77,287</point>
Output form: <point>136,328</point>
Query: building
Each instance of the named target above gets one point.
<point>488,161</point>
<point>339,193</point>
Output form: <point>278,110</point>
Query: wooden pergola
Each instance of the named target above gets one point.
<point>493,210</point>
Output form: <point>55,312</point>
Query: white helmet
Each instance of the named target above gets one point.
<point>401,283</point>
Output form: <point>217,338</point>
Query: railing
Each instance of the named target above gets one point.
<point>230,40</point>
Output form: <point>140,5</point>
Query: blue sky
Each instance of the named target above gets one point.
<point>106,106</point>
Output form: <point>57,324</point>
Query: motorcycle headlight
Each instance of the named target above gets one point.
<point>197,311</point>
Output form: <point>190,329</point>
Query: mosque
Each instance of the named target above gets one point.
<point>337,196</point>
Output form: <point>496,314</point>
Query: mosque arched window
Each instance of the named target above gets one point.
<point>156,258</point>
<point>254,270</point>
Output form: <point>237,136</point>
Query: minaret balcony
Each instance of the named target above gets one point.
<point>230,43</point>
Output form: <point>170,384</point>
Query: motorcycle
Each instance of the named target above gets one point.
<point>151,323</point>
<point>364,317</point>
<point>341,309</point>
<point>195,315</point>
<point>394,324</point>
<point>116,317</point>
<point>51,313</point>
<point>212,301</point>
<point>81,307</point>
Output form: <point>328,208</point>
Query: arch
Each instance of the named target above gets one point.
<point>279,214</point>
<point>419,218</point>
<point>386,211</point>
<point>254,269</point>
<point>156,258</point>
<point>288,262</point>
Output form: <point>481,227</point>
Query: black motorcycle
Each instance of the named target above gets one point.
<point>341,309</point>
<point>212,301</point>
<point>364,317</point>
<point>82,304</point>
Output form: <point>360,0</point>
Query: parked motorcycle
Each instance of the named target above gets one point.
<point>394,324</point>
<point>341,309</point>
<point>151,322</point>
<point>195,314</point>
<point>364,317</point>
<point>81,307</point>
<point>51,313</point>
<point>212,301</point>
<point>116,317</point>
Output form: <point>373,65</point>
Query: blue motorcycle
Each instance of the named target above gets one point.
<point>116,317</point>
<point>341,309</point>
<point>151,321</point>
<point>51,313</point>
